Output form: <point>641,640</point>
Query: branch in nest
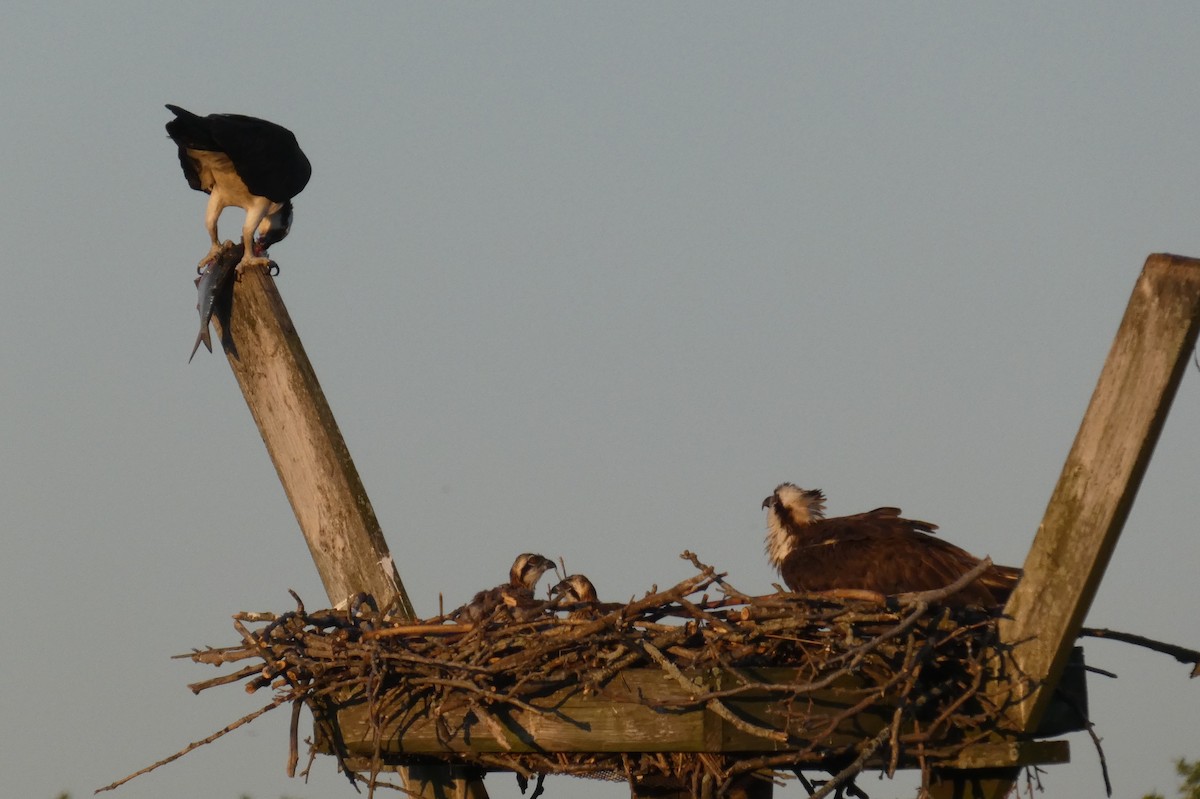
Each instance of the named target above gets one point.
<point>938,594</point>
<point>197,744</point>
<point>1182,654</point>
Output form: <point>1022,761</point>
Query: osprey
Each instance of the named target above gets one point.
<point>516,594</point>
<point>576,592</point>
<point>877,551</point>
<point>246,162</point>
<point>574,588</point>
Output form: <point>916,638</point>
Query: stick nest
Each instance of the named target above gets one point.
<point>914,665</point>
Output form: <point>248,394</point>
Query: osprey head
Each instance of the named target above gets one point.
<point>800,505</point>
<point>527,569</point>
<point>574,588</point>
<point>789,508</point>
<point>274,228</point>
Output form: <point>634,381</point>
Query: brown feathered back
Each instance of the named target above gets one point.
<point>876,551</point>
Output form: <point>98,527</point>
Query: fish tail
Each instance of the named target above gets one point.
<point>202,337</point>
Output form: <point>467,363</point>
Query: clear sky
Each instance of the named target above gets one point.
<point>581,279</point>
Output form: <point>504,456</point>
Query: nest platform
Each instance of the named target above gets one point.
<point>698,686</point>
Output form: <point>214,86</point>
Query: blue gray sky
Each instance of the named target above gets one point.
<point>582,279</point>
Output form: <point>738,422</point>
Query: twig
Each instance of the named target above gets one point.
<point>197,744</point>
<point>293,734</point>
<point>938,594</point>
<point>715,705</point>
<point>1181,654</point>
<point>418,629</point>
<point>224,679</point>
<point>855,768</point>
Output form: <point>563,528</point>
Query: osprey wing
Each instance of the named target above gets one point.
<point>879,551</point>
<point>266,156</point>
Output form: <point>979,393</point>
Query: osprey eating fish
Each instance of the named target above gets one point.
<point>245,162</point>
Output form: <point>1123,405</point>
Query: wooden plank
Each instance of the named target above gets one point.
<point>973,783</point>
<point>990,770</point>
<point>1013,753</point>
<point>306,446</point>
<point>618,718</point>
<point>1101,476</point>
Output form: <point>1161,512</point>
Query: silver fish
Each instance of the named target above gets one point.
<point>210,285</point>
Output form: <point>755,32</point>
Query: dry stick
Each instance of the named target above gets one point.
<point>427,661</point>
<point>507,764</point>
<point>225,679</point>
<point>356,778</point>
<point>855,768</point>
<point>655,600</point>
<point>912,670</point>
<point>374,686</point>
<point>493,725</point>
<point>197,744</point>
<point>467,685</point>
<point>216,657</point>
<point>944,716</point>
<point>700,614</point>
<point>856,655</point>
<point>784,690</point>
<point>1182,654</point>
<point>293,735</point>
<point>418,629</point>
<point>894,742</point>
<point>938,594</point>
<point>715,705</point>
<point>1091,728</point>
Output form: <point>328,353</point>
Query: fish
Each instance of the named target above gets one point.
<point>215,295</point>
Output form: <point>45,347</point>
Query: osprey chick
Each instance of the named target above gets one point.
<point>574,588</point>
<point>516,594</point>
<point>245,162</point>
<point>875,551</point>
<point>576,592</point>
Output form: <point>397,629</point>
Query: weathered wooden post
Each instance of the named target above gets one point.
<point>1096,489</point>
<point>314,465</point>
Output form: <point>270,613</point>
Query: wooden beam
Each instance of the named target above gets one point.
<point>990,770</point>
<point>1095,491</point>
<point>644,710</point>
<point>318,475</point>
<point>1101,476</point>
<point>1013,753</point>
<point>306,446</point>
<point>619,718</point>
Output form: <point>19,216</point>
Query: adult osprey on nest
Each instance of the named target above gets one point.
<point>246,162</point>
<point>875,551</point>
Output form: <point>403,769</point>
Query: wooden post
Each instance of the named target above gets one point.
<point>1101,476</point>
<point>307,448</point>
<point>316,470</point>
<point>1095,491</point>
